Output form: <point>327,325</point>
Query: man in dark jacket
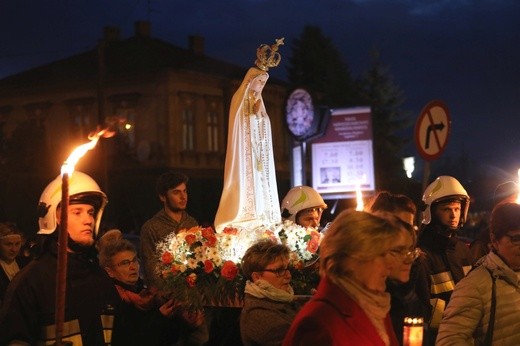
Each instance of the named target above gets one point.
<point>447,258</point>
<point>28,315</point>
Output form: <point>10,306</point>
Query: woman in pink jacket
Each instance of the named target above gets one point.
<point>351,306</point>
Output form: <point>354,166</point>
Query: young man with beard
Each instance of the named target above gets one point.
<point>172,189</point>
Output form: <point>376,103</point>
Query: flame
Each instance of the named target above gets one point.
<point>359,195</point>
<point>80,151</point>
<point>359,198</point>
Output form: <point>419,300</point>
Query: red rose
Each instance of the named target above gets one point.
<point>269,234</point>
<point>211,240</point>
<point>167,258</point>
<point>230,230</point>
<point>207,232</point>
<point>191,280</point>
<point>312,245</point>
<point>315,235</point>
<point>229,270</point>
<point>190,239</point>
<point>194,229</point>
<point>208,266</point>
<point>174,270</point>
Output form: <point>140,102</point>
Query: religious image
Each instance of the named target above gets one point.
<point>300,112</point>
<point>330,175</point>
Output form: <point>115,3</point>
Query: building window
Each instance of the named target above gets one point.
<point>82,126</point>
<point>82,118</point>
<point>187,130</point>
<point>212,122</point>
<point>127,134</point>
<point>125,111</point>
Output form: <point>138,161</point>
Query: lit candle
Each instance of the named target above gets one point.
<point>359,198</point>
<point>359,195</point>
<point>413,331</point>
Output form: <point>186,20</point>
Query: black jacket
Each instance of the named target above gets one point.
<point>28,312</point>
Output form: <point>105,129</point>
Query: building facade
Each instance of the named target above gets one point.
<point>175,99</point>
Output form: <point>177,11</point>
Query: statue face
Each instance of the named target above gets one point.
<point>258,83</point>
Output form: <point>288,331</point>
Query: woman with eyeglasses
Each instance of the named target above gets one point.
<point>351,305</point>
<point>484,308</point>
<point>402,281</point>
<point>269,306</point>
<point>144,317</point>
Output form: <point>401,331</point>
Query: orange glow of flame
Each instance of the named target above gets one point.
<point>80,151</point>
<point>359,195</point>
<point>359,198</point>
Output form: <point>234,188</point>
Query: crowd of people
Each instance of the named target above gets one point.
<point>375,268</point>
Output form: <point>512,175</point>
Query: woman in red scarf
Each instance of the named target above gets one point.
<point>145,317</point>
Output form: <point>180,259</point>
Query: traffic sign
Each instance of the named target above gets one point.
<point>432,130</point>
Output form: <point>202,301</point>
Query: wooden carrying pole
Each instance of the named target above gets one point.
<point>61,272</point>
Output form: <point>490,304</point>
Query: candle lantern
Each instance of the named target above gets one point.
<point>413,331</point>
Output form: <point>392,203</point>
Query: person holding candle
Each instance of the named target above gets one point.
<point>27,316</point>
<point>447,259</point>
<point>11,241</point>
<point>484,308</point>
<point>351,305</point>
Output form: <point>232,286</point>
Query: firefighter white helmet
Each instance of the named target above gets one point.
<point>300,198</point>
<point>445,189</point>
<point>82,190</point>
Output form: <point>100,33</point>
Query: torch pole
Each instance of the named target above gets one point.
<point>61,272</point>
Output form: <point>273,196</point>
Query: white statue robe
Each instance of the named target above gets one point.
<point>250,194</point>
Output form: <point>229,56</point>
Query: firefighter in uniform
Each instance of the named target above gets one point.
<point>27,316</point>
<point>304,206</point>
<point>447,258</point>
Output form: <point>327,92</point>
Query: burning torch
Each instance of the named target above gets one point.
<point>67,169</point>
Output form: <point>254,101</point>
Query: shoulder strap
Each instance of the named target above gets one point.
<point>489,334</point>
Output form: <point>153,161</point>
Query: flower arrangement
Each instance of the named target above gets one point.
<point>202,267</point>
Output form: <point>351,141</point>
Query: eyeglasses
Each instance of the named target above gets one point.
<point>515,239</point>
<point>404,254</point>
<point>279,272</point>
<point>126,262</point>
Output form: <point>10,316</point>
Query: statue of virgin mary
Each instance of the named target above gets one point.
<point>250,195</point>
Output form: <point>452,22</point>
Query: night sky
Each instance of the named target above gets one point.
<point>463,52</point>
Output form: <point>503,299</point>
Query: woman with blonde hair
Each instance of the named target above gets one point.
<point>351,306</point>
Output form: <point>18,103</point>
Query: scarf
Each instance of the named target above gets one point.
<point>144,300</point>
<point>10,269</point>
<point>263,289</point>
<point>375,305</point>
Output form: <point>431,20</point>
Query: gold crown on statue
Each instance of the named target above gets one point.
<point>268,56</point>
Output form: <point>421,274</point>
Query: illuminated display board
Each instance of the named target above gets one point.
<point>343,160</point>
